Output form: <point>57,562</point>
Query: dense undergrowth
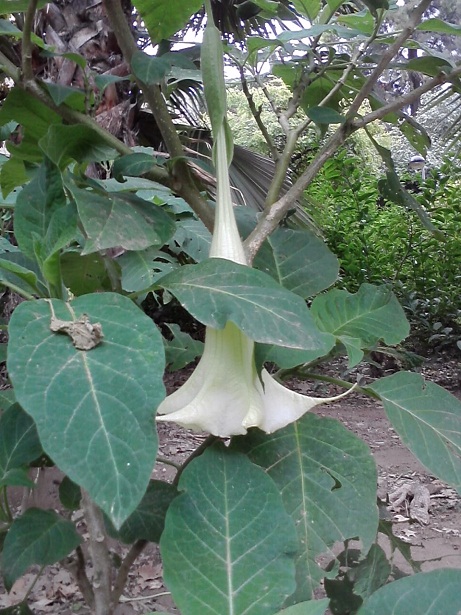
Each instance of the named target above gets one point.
<point>378,240</point>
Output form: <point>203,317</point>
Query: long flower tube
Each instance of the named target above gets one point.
<point>225,395</point>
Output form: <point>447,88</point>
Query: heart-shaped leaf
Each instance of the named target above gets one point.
<point>182,349</point>
<point>164,18</point>
<point>94,409</point>
<point>62,144</point>
<point>228,542</point>
<point>149,69</point>
<point>299,260</point>
<point>360,320</point>
<point>120,219</point>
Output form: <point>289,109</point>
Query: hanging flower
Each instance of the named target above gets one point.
<point>226,395</point>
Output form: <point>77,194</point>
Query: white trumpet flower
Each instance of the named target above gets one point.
<point>225,395</point>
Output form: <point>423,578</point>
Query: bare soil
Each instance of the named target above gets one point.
<point>435,544</point>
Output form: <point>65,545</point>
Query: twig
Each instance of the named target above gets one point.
<point>276,212</point>
<point>75,117</point>
<point>257,115</point>
<point>168,462</point>
<point>122,576</point>
<point>102,566</point>
<point>143,598</point>
<point>406,100</point>
<point>78,571</point>
<point>209,441</point>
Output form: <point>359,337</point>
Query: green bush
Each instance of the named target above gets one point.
<point>378,240</point>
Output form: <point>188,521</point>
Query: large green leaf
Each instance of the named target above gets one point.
<point>286,358</point>
<point>299,261</point>
<point>148,520</point>
<point>41,213</point>
<point>360,320</point>
<point>86,274</point>
<point>416,135</point>
<point>19,444</point>
<point>217,290</point>
<point>426,593</point>
<point>142,269</point>
<point>149,69</point>
<point>7,398</point>
<point>228,543</point>
<point>135,164</point>
<point>38,537</point>
<point>374,5</point>
<point>164,18</point>
<point>62,144</point>
<point>12,174</point>
<point>372,572</point>
<point>325,115</point>
<point>6,246</point>
<point>34,116</point>
<point>327,479</point>
<point>120,219</point>
<point>93,408</point>
<point>75,98</point>
<point>14,275</point>
<point>428,419</point>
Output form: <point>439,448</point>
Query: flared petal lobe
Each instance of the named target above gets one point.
<point>222,390</point>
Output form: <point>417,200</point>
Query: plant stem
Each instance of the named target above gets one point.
<point>29,591</point>
<point>414,19</point>
<point>256,112</point>
<point>26,47</point>
<point>102,566</point>
<point>274,214</point>
<point>122,576</point>
<point>168,462</point>
<point>404,101</point>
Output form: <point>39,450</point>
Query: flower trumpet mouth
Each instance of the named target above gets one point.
<point>225,395</point>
